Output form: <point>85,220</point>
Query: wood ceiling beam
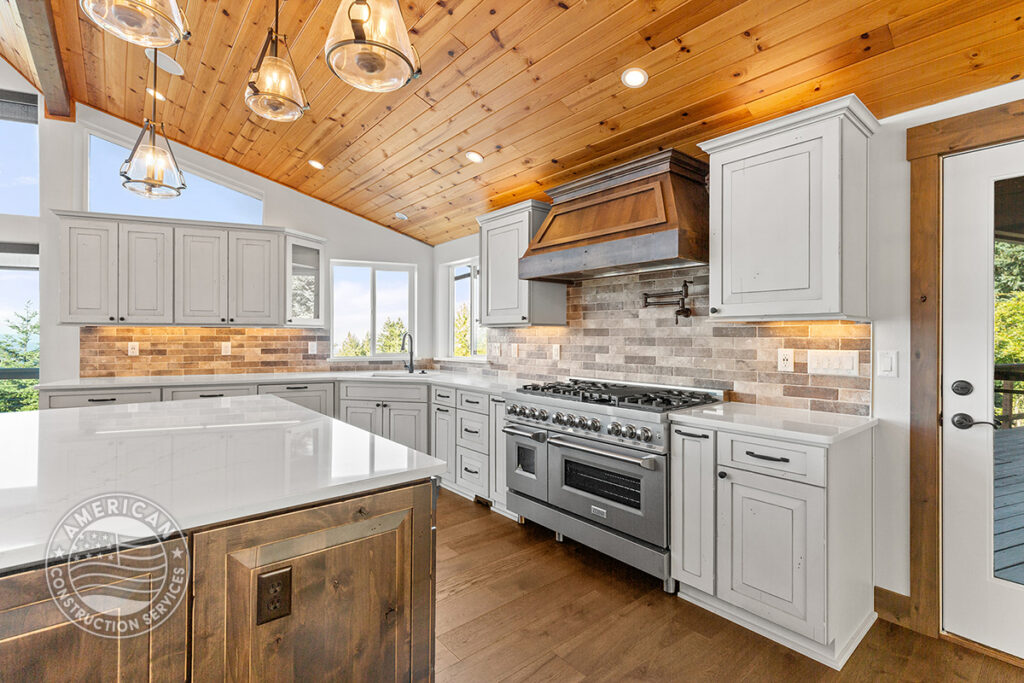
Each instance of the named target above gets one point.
<point>37,19</point>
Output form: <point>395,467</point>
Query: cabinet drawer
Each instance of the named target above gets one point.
<point>473,472</point>
<point>798,462</point>
<point>442,396</point>
<point>82,399</point>
<point>471,400</point>
<point>318,396</point>
<point>387,391</point>
<point>208,392</point>
<point>473,431</point>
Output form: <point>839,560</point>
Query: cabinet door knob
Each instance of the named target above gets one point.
<point>378,405</point>
<point>111,317</point>
<point>722,475</point>
<point>524,317</point>
<point>713,310</point>
<point>223,320</point>
<point>231,320</point>
<point>121,318</point>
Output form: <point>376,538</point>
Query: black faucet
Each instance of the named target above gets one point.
<point>408,337</point>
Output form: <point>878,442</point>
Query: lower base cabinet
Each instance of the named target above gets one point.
<point>84,399</point>
<point>442,439</point>
<point>402,421</point>
<point>498,484</point>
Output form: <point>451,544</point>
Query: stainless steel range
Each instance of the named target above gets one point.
<point>589,460</point>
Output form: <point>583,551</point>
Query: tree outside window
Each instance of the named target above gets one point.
<point>374,307</point>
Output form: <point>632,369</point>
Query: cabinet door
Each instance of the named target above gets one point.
<point>305,277</point>
<point>145,273</point>
<point>200,276</point>
<point>88,291</point>
<point>254,267</point>
<point>504,298</point>
<point>776,225</point>
<point>318,396</point>
<point>692,468</point>
<point>361,593</point>
<point>406,423</point>
<point>497,451</point>
<point>771,550</point>
<point>442,439</point>
<point>366,415</point>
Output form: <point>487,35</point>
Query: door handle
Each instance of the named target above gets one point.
<point>962,387</point>
<point>647,462</point>
<point>691,435</point>
<point>539,437</point>
<point>965,421</point>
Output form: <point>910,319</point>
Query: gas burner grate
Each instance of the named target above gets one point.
<point>656,399</point>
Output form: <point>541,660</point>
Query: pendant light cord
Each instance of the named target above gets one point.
<point>277,28</point>
<point>152,128</point>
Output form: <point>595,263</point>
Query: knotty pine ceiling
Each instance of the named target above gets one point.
<point>534,85</point>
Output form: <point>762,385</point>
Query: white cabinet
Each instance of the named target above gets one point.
<point>254,278</point>
<point>84,399</point>
<point>771,550</point>
<point>210,391</point>
<point>788,221</point>
<point>505,300</point>
<point>200,276</point>
<point>88,292</point>
<point>318,396</point>
<point>366,415</point>
<point>692,469</point>
<point>145,273</point>
<point>442,438</point>
<point>406,423</point>
<point>472,475</point>
<point>498,484</point>
<point>305,282</point>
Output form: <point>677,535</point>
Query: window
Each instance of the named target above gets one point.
<point>374,306</point>
<point>467,339</point>
<point>19,153</point>
<point>202,199</point>
<point>19,327</point>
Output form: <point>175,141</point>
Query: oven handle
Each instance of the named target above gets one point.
<point>648,462</point>
<point>539,437</point>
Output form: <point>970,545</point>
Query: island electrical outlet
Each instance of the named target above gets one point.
<point>273,595</point>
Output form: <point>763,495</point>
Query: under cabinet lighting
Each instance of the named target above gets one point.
<point>316,164</point>
<point>475,157</point>
<point>634,77</point>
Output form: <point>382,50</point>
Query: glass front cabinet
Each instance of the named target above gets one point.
<point>306,263</point>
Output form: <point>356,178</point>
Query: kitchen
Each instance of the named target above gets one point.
<point>519,327</point>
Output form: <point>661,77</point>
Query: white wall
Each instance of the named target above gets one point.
<point>62,186</point>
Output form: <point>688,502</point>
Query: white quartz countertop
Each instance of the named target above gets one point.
<point>205,461</point>
<point>450,379</point>
<point>781,423</point>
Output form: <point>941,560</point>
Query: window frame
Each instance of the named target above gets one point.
<point>448,270</point>
<point>19,256</point>
<point>374,266</point>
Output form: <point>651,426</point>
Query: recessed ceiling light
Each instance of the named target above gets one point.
<point>155,93</point>
<point>401,216</point>
<point>475,157</point>
<point>634,77</point>
<point>316,164</point>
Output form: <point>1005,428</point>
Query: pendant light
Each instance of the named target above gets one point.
<point>273,91</point>
<point>149,23</point>
<point>151,170</point>
<point>368,46</point>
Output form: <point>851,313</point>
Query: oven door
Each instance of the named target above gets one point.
<point>617,487</point>
<point>526,460</point>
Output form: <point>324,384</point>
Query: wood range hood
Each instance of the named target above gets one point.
<point>647,214</point>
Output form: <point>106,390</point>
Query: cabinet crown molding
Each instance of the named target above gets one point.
<point>849,107</point>
<point>529,204</point>
<point>180,222</point>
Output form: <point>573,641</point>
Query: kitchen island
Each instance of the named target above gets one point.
<point>308,543</point>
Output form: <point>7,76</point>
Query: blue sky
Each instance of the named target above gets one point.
<point>352,299</point>
<point>17,287</point>
<point>19,168</point>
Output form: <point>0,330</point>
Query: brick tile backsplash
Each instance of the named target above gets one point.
<point>610,336</point>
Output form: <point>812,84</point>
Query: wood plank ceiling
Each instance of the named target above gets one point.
<point>534,86</point>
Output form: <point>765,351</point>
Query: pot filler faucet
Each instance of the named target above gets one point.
<point>407,337</point>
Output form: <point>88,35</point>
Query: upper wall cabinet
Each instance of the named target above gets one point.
<point>305,281</point>
<point>254,278</point>
<point>507,301</point>
<point>145,281</point>
<point>200,276</point>
<point>788,222</point>
<point>88,288</point>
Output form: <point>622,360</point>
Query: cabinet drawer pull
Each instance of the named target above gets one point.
<point>293,388</point>
<point>211,395</point>
<point>440,395</point>
<point>440,409</point>
<point>467,430</point>
<point>101,400</point>
<point>471,401</point>
<point>769,458</point>
<point>692,435</point>
<point>466,469</point>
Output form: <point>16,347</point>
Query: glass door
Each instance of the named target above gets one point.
<point>307,267</point>
<point>983,397</point>
<point>19,327</point>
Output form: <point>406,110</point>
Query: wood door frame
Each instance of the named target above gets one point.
<point>926,146</point>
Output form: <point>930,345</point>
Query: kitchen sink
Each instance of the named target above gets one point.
<point>405,373</point>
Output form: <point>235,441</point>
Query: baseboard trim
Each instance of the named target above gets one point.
<point>892,607</point>
<point>983,649</point>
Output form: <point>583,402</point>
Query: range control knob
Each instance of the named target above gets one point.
<point>512,409</point>
<point>615,429</point>
<point>630,432</point>
<point>573,421</point>
<point>542,414</point>
<point>559,418</point>
<point>595,425</point>
<point>531,413</point>
<point>646,434</point>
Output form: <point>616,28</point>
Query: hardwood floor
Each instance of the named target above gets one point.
<point>514,605</point>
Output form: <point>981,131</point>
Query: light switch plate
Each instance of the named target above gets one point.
<point>312,347</point>
<point>785,360</point>
<point>225,348</point>
<point>888,364</point>
<point>133,348</point>
<point>833,362</point>
<point>556,352</point>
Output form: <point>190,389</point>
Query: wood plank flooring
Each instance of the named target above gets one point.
<point>514,605</point>
<point>1009,504</point>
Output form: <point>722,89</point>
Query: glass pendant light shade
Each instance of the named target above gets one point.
<point>273,90</point>
<point>151,170</point>
<point>150,23</point>
<point>368,46</point>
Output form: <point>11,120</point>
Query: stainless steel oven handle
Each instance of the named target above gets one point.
<point>648,462</point>
<point>539,437</point>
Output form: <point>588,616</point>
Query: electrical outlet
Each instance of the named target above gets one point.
<point>225,348</point>
<point>133,348</point>
<point>556,351</point>
<point>311,349</point>
<point>833,363</point>
<point>785,360</point>
<point>273,595</point>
